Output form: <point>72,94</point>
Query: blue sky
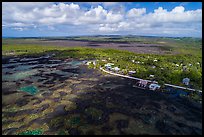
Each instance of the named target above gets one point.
<point>180,19</point>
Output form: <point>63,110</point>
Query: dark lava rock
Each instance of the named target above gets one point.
<point>42,108</point>
<point>39,121</point>
<point>27,95</point>
<point>106,129</point>
<point>21,120</point>
<point>22,102</point>
<point>146,118</point>
<point>18,113</point>
<point>9,73</point>
<point>122,124</point>
<point>58,111</point>
<point>47,94</point>
<point>7,122</point>
<point>166,128</point>
<point>11,67</point>
<point>62,79</point>
<point>74,131</point>
<point>40,80</point>
<point>63,93</point>
<point>171,108</point>
<point>196,131</point>
<point>9,131</point>
<point>90,132</point>
<point>7,91</point>
<point>56,99</point>
<point>28,82</point>
<point>5,60</point>
<point>37,102</point>
<point>156,105</point>
<point>49,82</point>
<point>71,70</point>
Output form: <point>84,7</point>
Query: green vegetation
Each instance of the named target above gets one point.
<point>169,68</point>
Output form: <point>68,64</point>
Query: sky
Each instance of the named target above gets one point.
<point>37,19</point>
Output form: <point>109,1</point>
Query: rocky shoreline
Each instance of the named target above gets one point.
<point>73,99</point>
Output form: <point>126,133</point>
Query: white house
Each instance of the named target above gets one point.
<point>142,83</point>
<point>186,81</point>
<point>116,69</point>
<point>131,72</point>
<point>151,76</point>
<point>89,62</point>
<point>184,68</point>
<point>94,62</point>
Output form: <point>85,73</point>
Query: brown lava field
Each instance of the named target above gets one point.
<point>129,46</point>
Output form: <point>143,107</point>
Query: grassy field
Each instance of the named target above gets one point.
<point>166,69</point>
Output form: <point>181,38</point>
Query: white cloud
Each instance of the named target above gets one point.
<point>179,9</point>
<point>30,15</point>
<point>136,12</point>
<point>110,3</point>
<point>19,28</point>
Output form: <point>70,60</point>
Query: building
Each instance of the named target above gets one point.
<point>186,81</point>
<point>184,68</point>
<point>154,86</point>
<point>151,76</point>
<point>131,72</point>
<point>153,66</point>
<point>108,66</point>
<point>88,63</point>
<point>116,69</point>
<point>142,83</point>
<point>94,63</point>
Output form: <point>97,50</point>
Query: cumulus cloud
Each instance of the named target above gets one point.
<point>21,16</point>
<point>136,12</point>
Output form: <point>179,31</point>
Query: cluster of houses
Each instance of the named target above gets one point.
<point>152,85</point>
<point>109,66</point>
<point>144,84</point>
<point>141,83</point>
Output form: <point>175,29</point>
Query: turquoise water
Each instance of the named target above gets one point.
<point>19,75</point>
<point>30,89</point>
<point>37,72</point>
<point>75,63</point>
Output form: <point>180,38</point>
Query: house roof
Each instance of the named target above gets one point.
<point>154,85</point>
<point>186,80</point>
<point>132,71</point>
<point>116,68</point>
